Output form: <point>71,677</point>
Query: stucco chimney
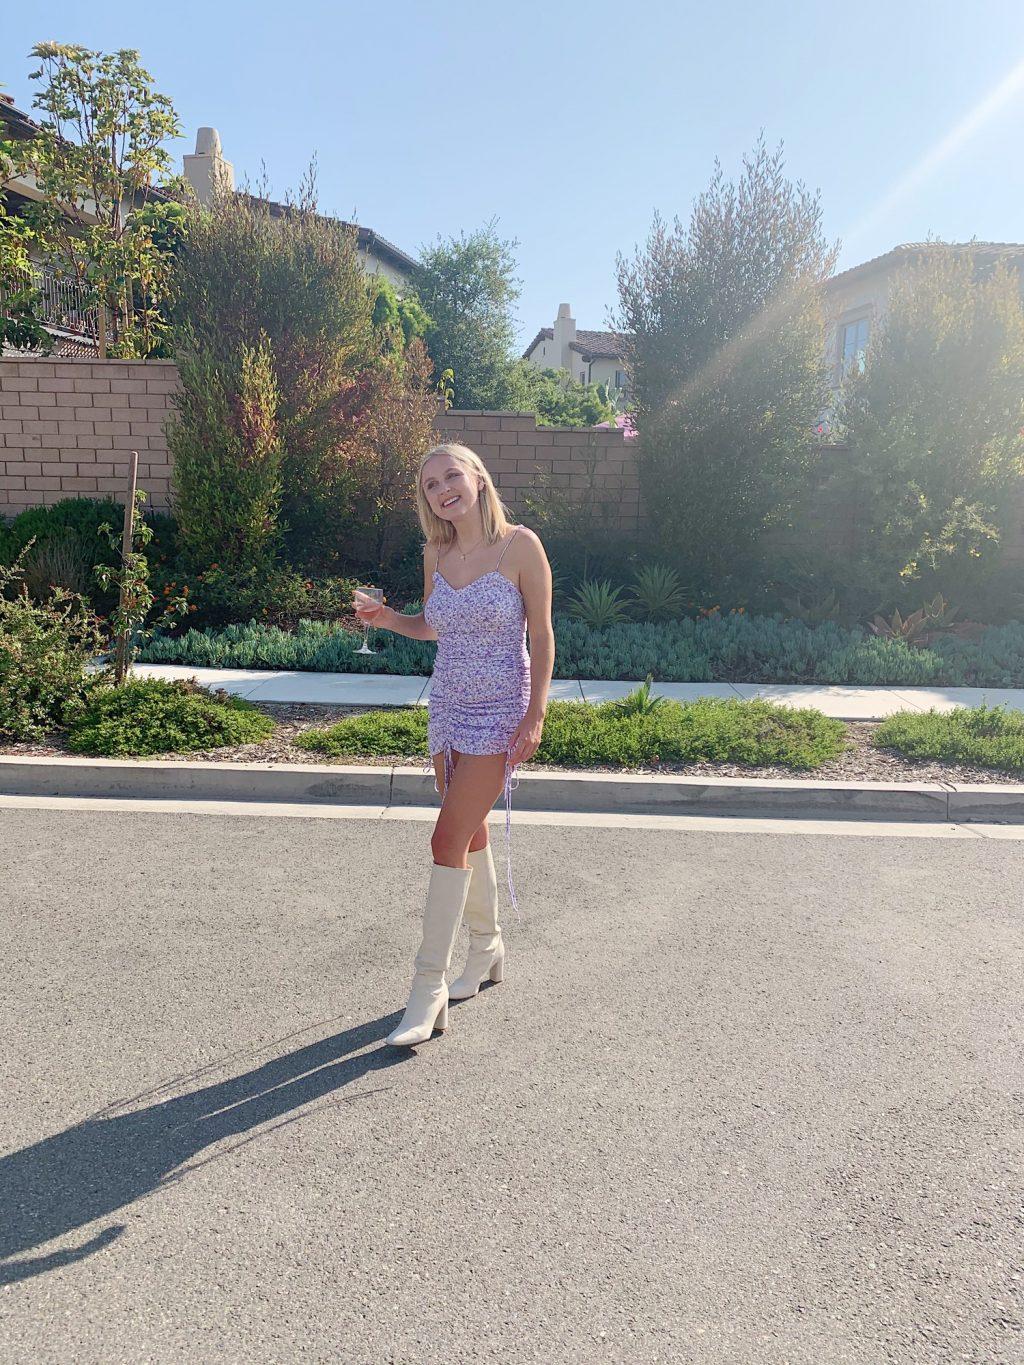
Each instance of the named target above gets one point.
<point>207,168</point>
<point>565,331</point>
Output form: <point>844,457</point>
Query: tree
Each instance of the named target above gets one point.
<point>559,400</point>
<point>725,337</point>
<point>227,454</point>
<point>935,426</point>
<point>398,427</point>
<point>468,287</point>
<point>253,276</point>
<point>398,319</point>
<point>94,160</point>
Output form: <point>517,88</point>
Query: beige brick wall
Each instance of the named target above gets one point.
<point>523,457</point>
<point>67,426</point>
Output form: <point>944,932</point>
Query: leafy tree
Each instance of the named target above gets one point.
<point>20,328</point>
<point>94,159</point>
<point>228,460</point>
<point>724,328</point>
<point>935,426</point>
<point>257,276</point>
<point>559,400</point>
<point>397,427</point>
<point>398,319</point>
<point>468,287</point>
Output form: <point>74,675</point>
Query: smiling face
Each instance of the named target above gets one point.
<point>451,489</point>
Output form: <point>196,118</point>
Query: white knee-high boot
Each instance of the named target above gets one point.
<point>486,949</point>
<point>428,1000</point>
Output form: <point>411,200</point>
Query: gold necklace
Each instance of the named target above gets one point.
<point>472,548</point>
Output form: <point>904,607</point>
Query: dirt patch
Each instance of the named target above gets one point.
<point>860,763</point>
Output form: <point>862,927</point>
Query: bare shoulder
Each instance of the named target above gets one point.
<point>528,549</point>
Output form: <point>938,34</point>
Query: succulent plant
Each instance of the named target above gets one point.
<point>658,594</point>
<point>598,604</point>
<point>640,701</point>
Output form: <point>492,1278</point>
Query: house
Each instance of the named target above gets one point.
<point>590,357</point>
<point>857,299</point>
<point>65,310</point>
<point>206,167</point>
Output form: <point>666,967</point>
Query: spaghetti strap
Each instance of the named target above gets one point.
<point>437,557</point>
<point>507,544</point>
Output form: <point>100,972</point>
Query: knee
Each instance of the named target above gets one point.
<point>448,851</point>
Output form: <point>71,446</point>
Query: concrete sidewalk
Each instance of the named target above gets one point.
<point>369,689</point>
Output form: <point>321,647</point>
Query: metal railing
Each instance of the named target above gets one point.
<point>63,309</point>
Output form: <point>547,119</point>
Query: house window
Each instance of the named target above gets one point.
<point>620,379</point>
<point>853,344</point>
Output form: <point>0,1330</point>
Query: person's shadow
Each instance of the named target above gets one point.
<point>110,1160</point>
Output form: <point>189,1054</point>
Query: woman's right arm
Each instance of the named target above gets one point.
<point>413,627</point>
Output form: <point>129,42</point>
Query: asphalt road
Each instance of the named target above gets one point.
<point>742,1098</point>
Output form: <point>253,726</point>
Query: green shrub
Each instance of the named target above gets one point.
<point>986,736</point>
<point>714,648</point>
<point>148,716</point>
<point>704,731</point>
<point>320,646</point>
<point>578,736</point>
<point>277,596</point>
<point>44,652</point>
<point>67,546</point>
<point>381,733</point>
<point>228,454</point>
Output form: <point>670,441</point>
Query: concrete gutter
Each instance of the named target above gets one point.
<point>365,785</point>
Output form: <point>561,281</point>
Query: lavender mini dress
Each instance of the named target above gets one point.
<point>480,687</point>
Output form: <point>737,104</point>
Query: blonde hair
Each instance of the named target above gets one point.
<point>493,511</point>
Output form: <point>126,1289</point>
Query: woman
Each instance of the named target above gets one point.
<point>488,697</point>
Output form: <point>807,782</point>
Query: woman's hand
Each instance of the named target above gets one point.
<point>373,613</point>
<point>526,740</point>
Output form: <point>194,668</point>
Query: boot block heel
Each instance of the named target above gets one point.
<point>497,972</point>
<point>441,1019</point>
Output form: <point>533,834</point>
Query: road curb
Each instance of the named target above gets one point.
<point>583,793</point>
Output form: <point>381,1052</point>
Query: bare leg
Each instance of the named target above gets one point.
<point>476,783</point>
<point>480,837</point>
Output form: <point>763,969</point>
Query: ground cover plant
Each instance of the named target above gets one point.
<point>578,735</point>
<point>989,736</point>
<point>713,648</point>
<point>149,716</point>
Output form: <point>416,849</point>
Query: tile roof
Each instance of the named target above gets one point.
<point>545,334</point>
<point>909,252</point>
<point>598,345</point>
<point>368,239</point>
<point>22,125</point>
<point>590,345</point>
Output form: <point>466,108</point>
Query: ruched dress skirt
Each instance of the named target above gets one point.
<point>480,688</point>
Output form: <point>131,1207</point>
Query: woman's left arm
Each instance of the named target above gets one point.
<point>535,585</point>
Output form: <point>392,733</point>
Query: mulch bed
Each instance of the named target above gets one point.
<point>860,763</point>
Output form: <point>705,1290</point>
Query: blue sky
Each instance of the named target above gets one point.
<point>571,123</point>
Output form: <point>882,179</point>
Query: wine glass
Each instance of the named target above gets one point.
<point>371,594</point>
